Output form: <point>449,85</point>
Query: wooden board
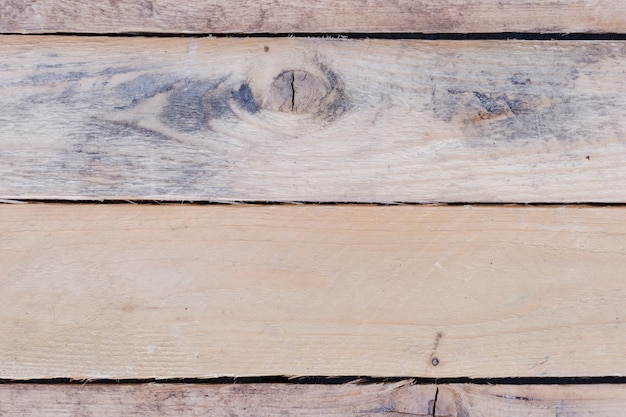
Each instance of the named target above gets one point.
<point>467,400</point>
<point>292,16</point>
<point>123,291</point>
<point>265,400</point>
<point>366,121</point>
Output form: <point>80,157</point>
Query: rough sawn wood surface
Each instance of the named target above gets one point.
<point>321,16</point>
<point>362,121</point>
<point>167,291</point>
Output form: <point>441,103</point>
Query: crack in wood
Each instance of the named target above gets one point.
<point>293,90</point>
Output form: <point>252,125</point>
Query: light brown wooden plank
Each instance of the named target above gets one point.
<point>121,291</point>
<point>410,121</point>
<point>248,16</point>
<point>264,400</point>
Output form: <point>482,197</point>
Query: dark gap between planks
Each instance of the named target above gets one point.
<point>322,380</point>
<point>307,203</point>
<point>358,35</point>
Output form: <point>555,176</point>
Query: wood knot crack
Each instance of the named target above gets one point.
<point>293,91</point>
<point>297,91</point>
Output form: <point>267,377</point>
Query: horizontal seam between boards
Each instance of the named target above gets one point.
<point>307,203</point>
<point>546,36</point>
<point>324,380</point>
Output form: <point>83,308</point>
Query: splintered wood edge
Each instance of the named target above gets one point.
<point>265,400</point>
<point>312,120</point>
<point>324,16</point>
<point>124,291</point>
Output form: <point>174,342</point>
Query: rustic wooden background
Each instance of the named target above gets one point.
<point>358,207</point>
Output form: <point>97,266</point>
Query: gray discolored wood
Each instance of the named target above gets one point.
<point>312,120</point>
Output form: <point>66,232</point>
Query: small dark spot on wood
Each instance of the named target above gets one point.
<point>245,99</point>
<point>519,79</point>
<point>588,157</point>
<point>266,48</point>
<point>435,361</point>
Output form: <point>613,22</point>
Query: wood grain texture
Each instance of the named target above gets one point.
<point>378,400</point>
<point>122,291</point>
<point>467,400</point>
<point>265,400</point>
<point>368,121</point>
<point>292,16</point>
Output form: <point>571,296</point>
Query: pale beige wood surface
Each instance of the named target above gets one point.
<point>221,120</point>
<point>293,16</point>
<point>264,400</point>
<point>136,291</point>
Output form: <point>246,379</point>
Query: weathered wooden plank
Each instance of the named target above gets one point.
<point>467,400</point>
<point>253,16</point>
<point>218,119</point>
<point>264,400</point>
<point>217,400</point>
<point>127,291</point>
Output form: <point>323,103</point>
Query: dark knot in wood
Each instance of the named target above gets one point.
<point>297,91</point>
